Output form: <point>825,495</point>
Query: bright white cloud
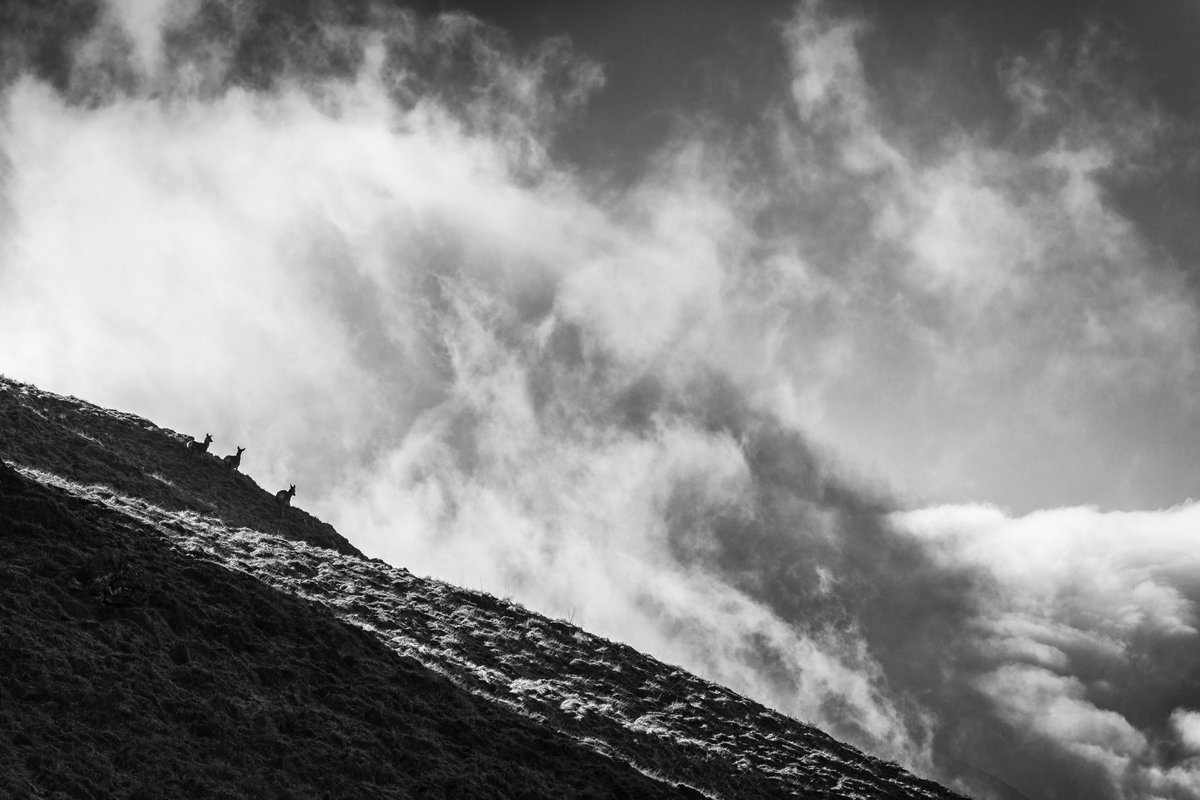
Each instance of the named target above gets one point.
<point>1186,725</point>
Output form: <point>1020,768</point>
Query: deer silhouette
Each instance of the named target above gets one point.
<point>234,461</point>
<point>196,448</point>
<point>284,498</point>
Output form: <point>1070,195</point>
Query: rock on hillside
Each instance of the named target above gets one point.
<point>164,634</point>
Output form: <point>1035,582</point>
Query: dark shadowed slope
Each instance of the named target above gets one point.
<point>216,685</point>
<point>232,655</point>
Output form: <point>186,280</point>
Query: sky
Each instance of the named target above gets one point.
<point>845,353</point>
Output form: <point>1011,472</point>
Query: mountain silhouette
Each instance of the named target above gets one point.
<point>168,629</point>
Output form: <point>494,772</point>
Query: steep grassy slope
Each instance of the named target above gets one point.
<point>216,685</point>
<point>236,653</point>
<point>89,445</point>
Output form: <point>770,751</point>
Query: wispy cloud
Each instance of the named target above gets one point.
<point>352,252</point>
<point>989,289</point>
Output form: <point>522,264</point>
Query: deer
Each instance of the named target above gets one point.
<point>284,498</point>
<point>234,461</point>
<point>196,448</point>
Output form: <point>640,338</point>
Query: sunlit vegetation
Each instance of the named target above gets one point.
<point>164,633</point>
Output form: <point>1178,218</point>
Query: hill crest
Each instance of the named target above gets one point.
<point>260,629</point>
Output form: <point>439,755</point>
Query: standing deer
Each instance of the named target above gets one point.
<point>234,461</point>
<point>284,498</point>
<point>195,448</point>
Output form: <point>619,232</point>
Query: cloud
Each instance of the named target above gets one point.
<point>144,25</point>
<point>1085,644</point>
<point>1186,726</point>
<point>349,247</point>
<point>987,288</point>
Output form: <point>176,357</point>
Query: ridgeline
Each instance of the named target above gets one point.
<point>167,631</point>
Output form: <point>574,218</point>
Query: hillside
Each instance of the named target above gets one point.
<point>165,632</point>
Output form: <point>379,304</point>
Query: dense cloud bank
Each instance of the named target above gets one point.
<point>342,239</point>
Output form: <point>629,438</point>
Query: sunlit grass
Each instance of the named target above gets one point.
<point>663,721</point>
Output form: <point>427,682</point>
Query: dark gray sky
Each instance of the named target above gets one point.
<point>662,56</point>
<point>667,60</point>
